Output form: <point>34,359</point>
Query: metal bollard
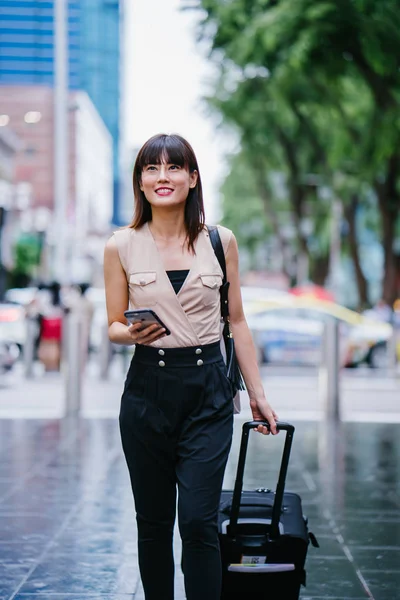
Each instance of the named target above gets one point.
<point>28,352</point>
<point>73,367</point>
<point>105,353</point>
<point>329,371</point>
<point>392,352</point>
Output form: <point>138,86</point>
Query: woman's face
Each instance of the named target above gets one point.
<point>166,184</point>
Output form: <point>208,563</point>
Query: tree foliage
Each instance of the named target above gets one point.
<point>27,252</point>
<point>313,91</point>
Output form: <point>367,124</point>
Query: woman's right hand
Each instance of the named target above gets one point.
<point>147,335</point>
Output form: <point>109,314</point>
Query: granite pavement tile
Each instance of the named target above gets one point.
<point>15,527</point>
<point>92,552</point>
<point>11,574</point>
<point>79,596</point>
<point>385,558</point>
<point>384,585</point>
<point>383,532</point>
<point>83,574</point>
<point>333,576</point>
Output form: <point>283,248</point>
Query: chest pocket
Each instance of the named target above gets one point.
<point>210,288</point>
<point>143,288</point>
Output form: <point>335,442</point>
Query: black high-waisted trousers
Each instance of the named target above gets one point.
<point>176,426</point>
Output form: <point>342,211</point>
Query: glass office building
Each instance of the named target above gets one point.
<point>95,52</point>
<point>100,71</point>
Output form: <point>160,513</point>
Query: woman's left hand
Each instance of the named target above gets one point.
<point>262,411</point>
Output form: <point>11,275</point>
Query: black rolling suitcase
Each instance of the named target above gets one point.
<point>263,535</point>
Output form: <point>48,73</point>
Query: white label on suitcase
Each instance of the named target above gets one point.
<point>253,560</point>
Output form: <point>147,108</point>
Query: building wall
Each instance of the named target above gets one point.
<point>27,42</point>
<point>93,172</point>
<point>34,161</point>
<point>93,185</point>
<point>9,144</point>
<point>95,44</point>
<point>101,63</point>
<point>90,153</point>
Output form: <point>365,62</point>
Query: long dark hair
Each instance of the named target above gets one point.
<point>172,149</point>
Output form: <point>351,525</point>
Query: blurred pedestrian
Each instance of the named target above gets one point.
<point>87,309</point>
<point>35,310</point>
<point>80,304</point>
<point>176,413</point>
<point>51,316</point>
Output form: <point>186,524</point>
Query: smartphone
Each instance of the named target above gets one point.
<point>145,316</point>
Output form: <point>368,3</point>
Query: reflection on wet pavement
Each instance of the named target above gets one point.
<point>67,526</point>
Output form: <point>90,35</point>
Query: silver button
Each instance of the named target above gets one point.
<point>199,363</point>
<point>161,352</point>
<point>199,350</point>
<point>142,282</point>
<point>161,363</point>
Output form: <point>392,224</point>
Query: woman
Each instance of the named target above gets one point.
<point>176,410</point>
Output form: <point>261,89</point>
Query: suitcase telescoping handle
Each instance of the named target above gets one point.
<point>280,488</point>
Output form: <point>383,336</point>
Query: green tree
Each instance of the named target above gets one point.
<point>275,138</point>
<point>333,66</point>
<point>247,205</point>
<point>26,260</point>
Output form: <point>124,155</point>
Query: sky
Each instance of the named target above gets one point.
<point>167,73</point>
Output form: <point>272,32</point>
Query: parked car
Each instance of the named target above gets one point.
<point>289,331</point>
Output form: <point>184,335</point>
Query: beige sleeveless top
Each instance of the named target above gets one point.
<point>192,315</point>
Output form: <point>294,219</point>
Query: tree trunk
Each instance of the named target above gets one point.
<point>283,246</point>
<point>297,194</point>
<point>379,87</point>
<point>297,198</point>
<point>272,217</point>
<point>350,212</point>
<point>320,269</point>
<point>389,262</point>
<point>389,208</point>
<point>397,284</point>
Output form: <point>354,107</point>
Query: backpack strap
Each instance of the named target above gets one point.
<point>218,249</point>
<point>220,254</point>
<point>233,370</point>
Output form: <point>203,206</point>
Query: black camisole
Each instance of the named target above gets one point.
<point>177,278</point>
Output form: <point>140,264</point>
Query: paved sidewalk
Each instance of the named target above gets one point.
<point>365,399</point>
<point>67,526</point>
